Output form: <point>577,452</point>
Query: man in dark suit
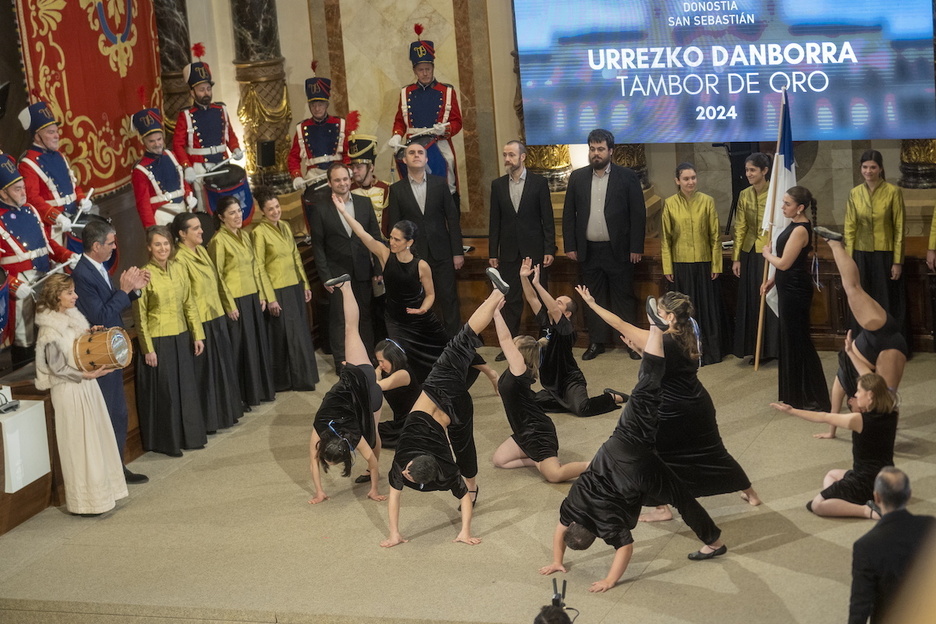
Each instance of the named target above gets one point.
<point>521,226</point>
<point>338,251</point>
<point>603,223</point>
<point>425,200</point>
<point>882,558</point>
<point>102,304</point>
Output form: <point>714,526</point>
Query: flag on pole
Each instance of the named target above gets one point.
<point>783,177</point>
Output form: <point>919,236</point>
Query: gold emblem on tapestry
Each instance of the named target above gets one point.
<point>116,45</point>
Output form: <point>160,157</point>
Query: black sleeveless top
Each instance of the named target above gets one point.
<point>404,290</point>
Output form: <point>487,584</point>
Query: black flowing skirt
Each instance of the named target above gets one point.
<point>170,416</point>
<point>874,267</point>
<point>422,336</point>
<point>294,366</point>
<point>748,309</point>
<point>801,379</point>
<point>216,373</point>
<point>251,346</point>
<point>695,279</point>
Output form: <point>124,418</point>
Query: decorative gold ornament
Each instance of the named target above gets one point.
<point>264,109</point>
<point>632,155</point>
<point>548,157</point>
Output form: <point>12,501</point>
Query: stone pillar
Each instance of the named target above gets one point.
<point>552,162</point>
<point>264,104</point>
<point>918,163</point>
<point>174,54</point>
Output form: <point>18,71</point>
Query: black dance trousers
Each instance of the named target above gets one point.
<point>611,282</point>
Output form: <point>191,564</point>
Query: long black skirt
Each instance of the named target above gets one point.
<point>874,267</point>
<point>170,416</point>
<point>695,279</point>
<point>251,346</point>
<point>216,372</point>
<point>800,376</point>
<point>748,309</point>
<point>294,365</point>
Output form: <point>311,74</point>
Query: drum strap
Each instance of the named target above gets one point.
<point>204,151</point>
<point>57,200</point>
<point>404,108</point>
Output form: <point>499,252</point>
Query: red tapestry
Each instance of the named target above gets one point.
<point>87,59</point>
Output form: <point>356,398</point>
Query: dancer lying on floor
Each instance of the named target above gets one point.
<point>564,385</point>
<point>873,424</point>
<point>347,419</point>
<point>879,344</point>
<point>534,441</point>
<point>410,295</point>
<point>423,459</point>
<point>688,440</point>
<point>605,501</point>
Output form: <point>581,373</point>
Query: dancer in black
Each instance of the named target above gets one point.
<point>800,377</point>
<point>346,421</point>
<point>564,385</point>
<point>880,344</point>
<point>534,441</point>
<point>688,440</point>
<point>399,386</point>
<point>424,459</point>
<point>605,501</point>
<point>873,424</point>
<point>409,299</point>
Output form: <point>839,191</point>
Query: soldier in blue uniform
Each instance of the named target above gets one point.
<point>25,254</point>
<point>428,112</point>
<point>159,187</point>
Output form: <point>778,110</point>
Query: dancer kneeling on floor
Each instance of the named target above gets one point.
<point>874,428</point>
<point>688,440</point>
<point>534,441</point>
<point>605,501</point>
<point>424,459</point>
<point>347,419</point>
<point>564,385</point>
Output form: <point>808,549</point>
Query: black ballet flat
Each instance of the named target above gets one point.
<point>874,510</point>
<point>364,478</point>
<point>701,556</point>
<point>827,234</point>
<point>654,316</point>
<point>617,393</point>
<point>337,281</point>
<point>497,280</point>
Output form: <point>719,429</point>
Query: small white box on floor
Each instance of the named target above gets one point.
<point>25,445</point>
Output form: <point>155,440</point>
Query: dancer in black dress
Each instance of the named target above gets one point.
<point>534,441</point>
<point>605,500</point>
<point>346,421</point>
<point>424,456</point>
<point>564,385</point>
<point>873,424</point>
<point>410,295</point>
<point>688,440</point>
<point>880,344</point>
<point>801,378</point>
<point>399,386</point>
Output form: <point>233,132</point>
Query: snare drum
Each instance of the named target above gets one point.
<point>73,238</point>
<point>109,348</point>
<point>232,182</point>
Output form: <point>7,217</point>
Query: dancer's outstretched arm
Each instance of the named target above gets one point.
<point>846,421</point>
<point>425,278</point>
<point>373,245</point>
<point>464,536</point>
<point>558,551</point>
<point>529,293</point>
<point>632,334</point>
<point>514,359</point>
<point>394,517</point>
<point>622,557</point>
<point>552,308</point>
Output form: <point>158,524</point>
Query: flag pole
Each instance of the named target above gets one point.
<point>771,201</point>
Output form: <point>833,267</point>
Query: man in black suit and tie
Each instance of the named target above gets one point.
<point>425,200</point>
<point>882,558</point>
<point>603,223</point>
<point>102,304</point>
<point>521,226</point>
<point>338,251</point>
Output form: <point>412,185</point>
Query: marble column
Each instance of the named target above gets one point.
<point>174,54</point>
<point>264,104</point>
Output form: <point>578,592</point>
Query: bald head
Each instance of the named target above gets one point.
<point>891,489</point>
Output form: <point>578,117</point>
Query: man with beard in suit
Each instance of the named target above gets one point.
<point>425,200</point>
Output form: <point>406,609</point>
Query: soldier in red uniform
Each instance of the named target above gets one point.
<point>203,134</point>
<point>159,188</point>
<point>25,254</point>
<point>428,112</point>
<point>51,186</point>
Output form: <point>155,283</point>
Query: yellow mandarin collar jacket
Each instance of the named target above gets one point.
<point>276,251</point>
<point>166,306</point>
<point>212,297</point>
<point>690,232</point>
<point>233,254</point>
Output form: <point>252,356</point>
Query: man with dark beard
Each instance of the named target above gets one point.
<point>603,224</point>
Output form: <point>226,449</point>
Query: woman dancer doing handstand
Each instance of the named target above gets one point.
<point>534,441</point>
<point>880,344</point>
<point>688,440</point>
<point>347,419</point>
<point>423,459</point>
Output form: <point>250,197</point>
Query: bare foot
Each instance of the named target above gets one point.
<point>824,436</point>
<point>751,497</point>
<point>659,514</point>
